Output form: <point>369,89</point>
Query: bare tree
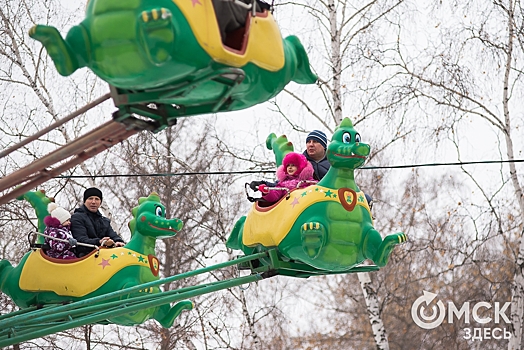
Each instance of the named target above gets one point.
<point>29,95</point>
<point>342,27</point>
<point>469,76</point>
<point>416,78</point>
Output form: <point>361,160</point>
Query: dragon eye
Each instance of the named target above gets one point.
<point>357,138</point>
<point>159,211</point>
<point>346,138</point>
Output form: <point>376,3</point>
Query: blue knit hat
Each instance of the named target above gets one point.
<point>318,136</point>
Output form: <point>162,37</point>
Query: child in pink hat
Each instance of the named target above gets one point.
<point>295,170</point>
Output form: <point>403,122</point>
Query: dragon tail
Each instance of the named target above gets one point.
<point>39,202</point>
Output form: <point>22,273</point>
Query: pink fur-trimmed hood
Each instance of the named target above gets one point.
<point>305,170</point>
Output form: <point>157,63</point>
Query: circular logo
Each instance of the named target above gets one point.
<point>418,311</point>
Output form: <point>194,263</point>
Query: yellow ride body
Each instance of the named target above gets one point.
<point>79,277</point>
<point>269,226</point>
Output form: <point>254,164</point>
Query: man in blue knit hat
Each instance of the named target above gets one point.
<point>316,143</point>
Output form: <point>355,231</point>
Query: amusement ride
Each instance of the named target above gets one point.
<point>163,60</point>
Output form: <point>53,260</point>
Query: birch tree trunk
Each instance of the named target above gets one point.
<point>517,292</point>
<point>484,92</point>
<point>250,322</point>
<point>336,62</point>
<point>370,296</point>
<point>344,22</point>
<point>372,304</point>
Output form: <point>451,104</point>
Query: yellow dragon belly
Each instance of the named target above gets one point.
<point>79,277</point>
<point>269,226</point>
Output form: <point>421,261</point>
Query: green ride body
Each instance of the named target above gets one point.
<point>333,231</point>
<point>149,45</point>
<point>339,250</point>
<point>133,264</point>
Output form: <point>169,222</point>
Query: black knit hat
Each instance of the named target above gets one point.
<point>93,191</point>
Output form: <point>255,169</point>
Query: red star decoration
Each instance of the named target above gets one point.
<point>196,2</point>
<point>295,202</point>
<point>104,263</point>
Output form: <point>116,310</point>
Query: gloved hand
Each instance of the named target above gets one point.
<point>263,188</point>
<point>72,241</point>
<point>254,185</point>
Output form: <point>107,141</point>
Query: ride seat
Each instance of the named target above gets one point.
<point>265,204</point>
<point>237,39</point>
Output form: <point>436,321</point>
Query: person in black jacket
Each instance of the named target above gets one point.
<point>89,226</point>
<point>316,143</point>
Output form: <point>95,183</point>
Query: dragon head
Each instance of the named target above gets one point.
<point>346,149</point>
<point>149,218</point>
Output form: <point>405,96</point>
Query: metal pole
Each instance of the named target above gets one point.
<point>55,125</point>
<point>143,301</point>
<point>60,154</point>
<point>123,292</point>
<point>124,309</point>
<point>45,174</point>
<point>91,144</point>
<point>67,241</point>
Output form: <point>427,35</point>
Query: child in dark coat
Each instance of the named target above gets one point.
<point>58,226</point>
<point>295,170</point>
